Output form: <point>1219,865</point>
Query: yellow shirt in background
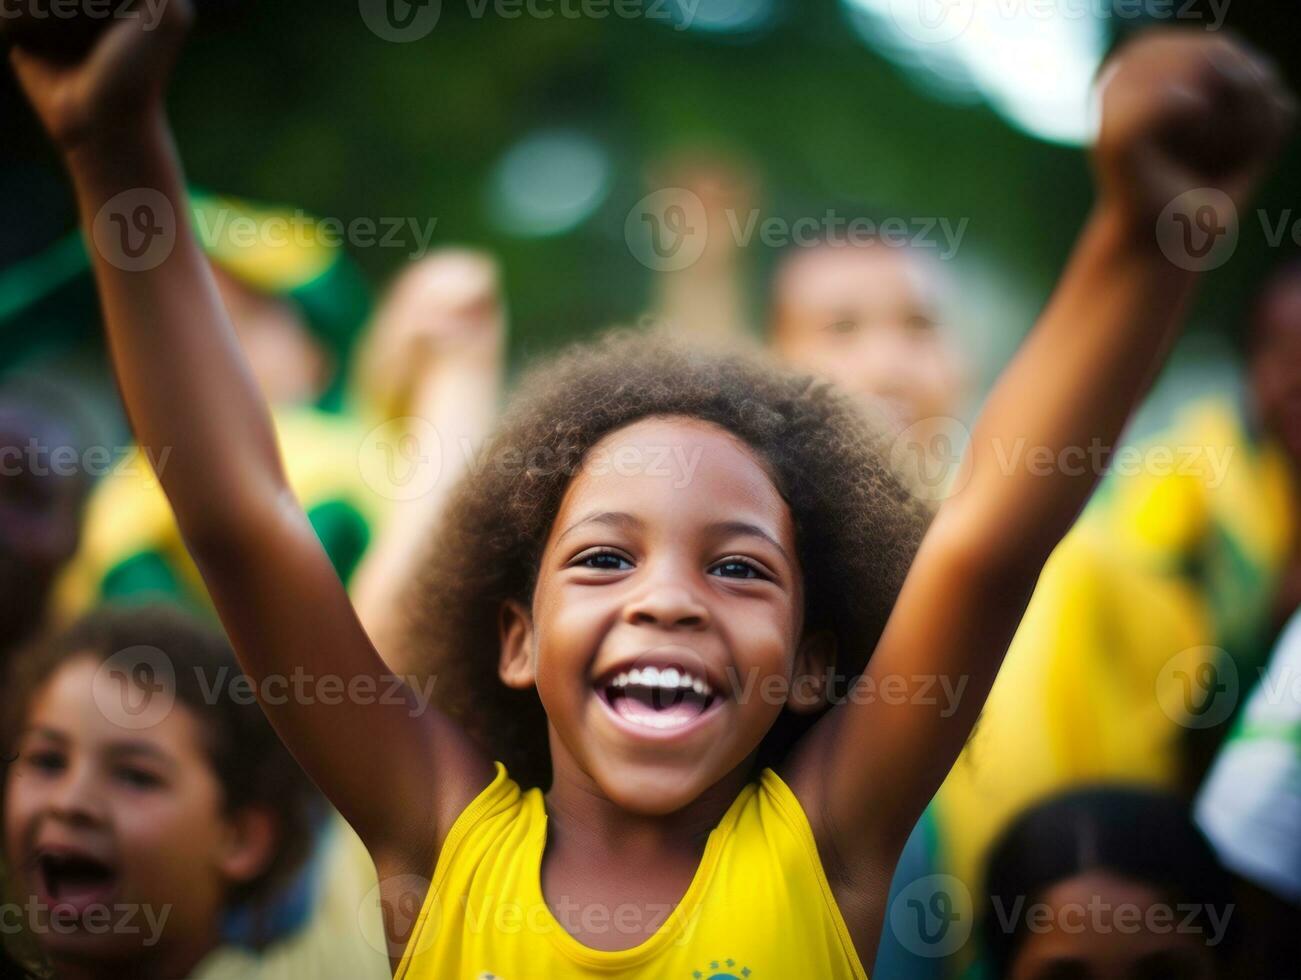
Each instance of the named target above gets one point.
<point>759,907</point>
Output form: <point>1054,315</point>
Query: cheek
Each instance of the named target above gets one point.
<point>171,830</point>
<point>565,629</point>
<point>764,641</point>
<point>22,801</point>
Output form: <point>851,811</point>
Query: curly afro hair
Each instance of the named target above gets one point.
<point>857,525</point>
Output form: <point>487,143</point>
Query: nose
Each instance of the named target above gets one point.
<point>76,798</point>
<point>885,358</point>
<point>668,602</point>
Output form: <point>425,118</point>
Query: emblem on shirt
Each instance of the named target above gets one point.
<point>722,970</point>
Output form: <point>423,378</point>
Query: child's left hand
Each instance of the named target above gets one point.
<point>1183,111</point>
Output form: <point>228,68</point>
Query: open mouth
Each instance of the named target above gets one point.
<point>76,880</point>
<point>661,699</point>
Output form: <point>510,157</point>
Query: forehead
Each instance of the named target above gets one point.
<point>682,470</point>
<point>83,701</point>
<point>855,275</point>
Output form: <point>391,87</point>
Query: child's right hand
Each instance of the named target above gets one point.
<point>119,82</point>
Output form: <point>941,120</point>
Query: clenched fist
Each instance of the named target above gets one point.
<point>91,79</point>
<point>1183,111</point>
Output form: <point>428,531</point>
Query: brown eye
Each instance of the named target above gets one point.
<point>45,761</point>
<point>842,327</point>
<point>736,568</point>
<point>139,778</point>
<point>606,561</point>
<point>919,325</point>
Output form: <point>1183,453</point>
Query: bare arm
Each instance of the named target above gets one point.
<point>397,770</point>
<point>437,343</point>
<point>872,765</point>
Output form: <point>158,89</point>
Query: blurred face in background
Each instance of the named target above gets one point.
<point>866,317</point>
<point>100,818</point>
<point>42,492</point>
<point>1097,926</point>
<point>288,363</point>
<point>1274,368</point>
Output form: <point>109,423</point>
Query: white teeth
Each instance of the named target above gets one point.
<point>669,677</point>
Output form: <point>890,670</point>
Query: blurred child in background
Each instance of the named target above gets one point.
<point>43,488</point>
<point>138,805</point>
<point>297,303</point>
<point>1110,883</point>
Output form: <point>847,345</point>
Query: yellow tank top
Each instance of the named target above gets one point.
<point>759,907</point>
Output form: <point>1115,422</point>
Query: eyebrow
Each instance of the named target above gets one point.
<point>623,521</point>
<point>123,748</point>
<point>746,529</point>
<point>141,748</point>
<point>610,518</point>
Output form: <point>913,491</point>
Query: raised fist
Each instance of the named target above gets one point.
<point>90,77</point>
<point>1184,111</point>
<point>445,310</point>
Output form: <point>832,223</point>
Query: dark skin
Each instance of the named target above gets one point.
<point>675,586</point>
<point>1274,371</point>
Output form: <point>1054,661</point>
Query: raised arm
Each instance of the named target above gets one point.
<point>397,770</point>
<point>432,365</point>
<point>1182,114</point>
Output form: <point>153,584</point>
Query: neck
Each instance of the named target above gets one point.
<point>578,811</point>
